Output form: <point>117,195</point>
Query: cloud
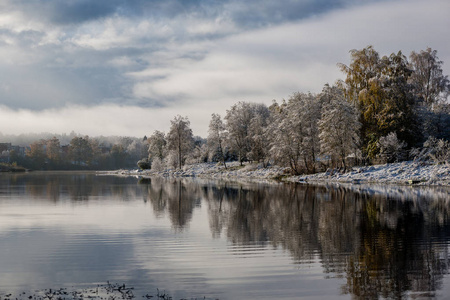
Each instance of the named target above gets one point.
<point>272,63</point>
<point>149,60</point>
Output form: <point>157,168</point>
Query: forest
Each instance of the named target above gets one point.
<point>387,109</point>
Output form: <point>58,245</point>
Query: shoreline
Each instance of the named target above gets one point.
<point>403,173</point>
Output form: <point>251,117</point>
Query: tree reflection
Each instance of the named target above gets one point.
<point>63,186</point>
<point>174,197</point>
<point>403,249</point>
<point>384,247</point>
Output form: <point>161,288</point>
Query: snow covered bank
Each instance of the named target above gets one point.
<point>408,172</point>
<point>397,173</point>
<point>212,171</point>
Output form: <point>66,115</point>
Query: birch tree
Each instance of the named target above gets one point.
<point>239,127</point>
<point>180,139</point>
<point>238,120</point>
<point>339,129</point>
<point>217,137</point>
<point>430,84</point>
<point>295,133</point>
<point>157,146</point>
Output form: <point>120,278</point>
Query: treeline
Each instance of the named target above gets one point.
<point>82,153</point>
<point>387,109</point>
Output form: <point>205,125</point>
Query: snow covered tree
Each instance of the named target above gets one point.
<point>339,128</point>
<point>363,88</point>
<point>285,144</point>
<point>259,137</point>
<point>398,109</point>
<point>137,150</point>
<point>295,132</point>
<point>180,139</point>
<point>199,152</point>
<point>430,85</point>
<point>382,93</point>
<point>310,113</point>
<point>391,148</point>
<point>438,150</point>
<point>217,137</point>
<point>364,67</point>
<point>157,145</point>
<point>238,122</point>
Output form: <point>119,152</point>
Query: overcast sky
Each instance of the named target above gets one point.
<point>127,67</point>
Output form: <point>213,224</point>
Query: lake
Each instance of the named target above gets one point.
<point>197,238</point>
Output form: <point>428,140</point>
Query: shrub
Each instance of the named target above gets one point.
<point>436,150</point>
<point>144,164</point>
<point>391,148</point>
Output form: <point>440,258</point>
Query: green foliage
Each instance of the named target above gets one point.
<point>383,94</point>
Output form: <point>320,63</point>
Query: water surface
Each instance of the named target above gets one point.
<point>196,238</point>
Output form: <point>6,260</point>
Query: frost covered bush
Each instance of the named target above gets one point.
<point>436,150</point>
<point>157,165</point>
<point>391,148</point>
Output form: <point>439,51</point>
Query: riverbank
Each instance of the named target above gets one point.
<point>408,172</point>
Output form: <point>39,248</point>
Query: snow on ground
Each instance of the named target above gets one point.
<point>408,172</point>
<point>397,173</point>
<point>213,171</point>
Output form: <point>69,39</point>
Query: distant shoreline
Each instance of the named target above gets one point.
<point>4,168</point>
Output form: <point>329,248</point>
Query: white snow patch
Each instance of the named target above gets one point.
<point>409,172</point>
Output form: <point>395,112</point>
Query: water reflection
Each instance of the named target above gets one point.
<point>384,245</point>
<point>73,186</point>
<point>377,241</point>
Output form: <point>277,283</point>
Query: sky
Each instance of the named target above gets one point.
<point>128,67</point>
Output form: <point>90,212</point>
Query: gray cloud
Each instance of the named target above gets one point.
<point>248,14</point>
<point>187,57</point>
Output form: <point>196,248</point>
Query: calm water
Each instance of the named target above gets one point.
<point>197,238</point>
